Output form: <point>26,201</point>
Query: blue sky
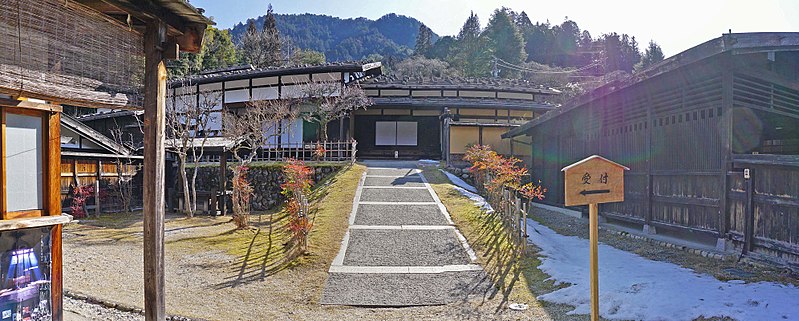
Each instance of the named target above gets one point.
<point>676,24</point>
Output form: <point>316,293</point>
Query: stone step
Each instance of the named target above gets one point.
<point>396,290</point>
<point>395,195</point>
<point>397,172</point>
<point>404,248</point>
<point>373,214</point>
<point>409,181</point>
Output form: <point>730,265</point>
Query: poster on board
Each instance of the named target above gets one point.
<point>25,275</point>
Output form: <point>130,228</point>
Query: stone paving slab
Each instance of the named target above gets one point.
<point>392,172</point>
<point>404,248</point>
<point>404,289</point>
<point>406,181</point>
<point>373,214</point>
<point>395,195</point>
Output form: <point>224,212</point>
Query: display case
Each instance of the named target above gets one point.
<point>25,282</point>
<point>30,207</point>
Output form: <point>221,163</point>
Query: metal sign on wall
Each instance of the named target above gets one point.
<point>594,180</point>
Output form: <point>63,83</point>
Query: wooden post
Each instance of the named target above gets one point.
<point>223,183</point>
<point>98,175</point>
<point>749,225</point>
<point>154,162</point>
<point>97,197</point>
<point>56,276</point>
<point>593,212</point>
<point>592,181</point>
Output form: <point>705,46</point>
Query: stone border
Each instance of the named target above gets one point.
<point>120,306</point>
<point>685,248</point>
<point>405,269</point>
<point>443,209</point>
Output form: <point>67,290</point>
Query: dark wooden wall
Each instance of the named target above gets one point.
<point>428,137</point>
<point>678,133</point>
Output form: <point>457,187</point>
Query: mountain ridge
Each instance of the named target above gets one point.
<point>341,39</point>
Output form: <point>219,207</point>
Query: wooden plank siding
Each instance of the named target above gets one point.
<point>620,127</point>
<point>680,133</point>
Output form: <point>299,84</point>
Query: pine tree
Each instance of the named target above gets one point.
<point>262,48</point>
<point>273,35</point>
<point>652,55</point>
<point>424,41</point>
<point>473,57</point>
<point>217,52</point>
<point>505,39</point>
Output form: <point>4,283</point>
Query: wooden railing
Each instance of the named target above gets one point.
<point>323,151</point>
<point>511,208</point>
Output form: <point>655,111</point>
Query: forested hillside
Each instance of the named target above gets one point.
<point>344,39</point>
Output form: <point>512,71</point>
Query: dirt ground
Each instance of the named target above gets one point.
<point>216,272</point>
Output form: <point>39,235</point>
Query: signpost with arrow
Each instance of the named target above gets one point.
<point>592,181</point>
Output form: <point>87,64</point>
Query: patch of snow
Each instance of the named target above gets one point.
<point>427,162</point>
<point>632,287</point>
<point>459,182</point>
<point>469,191</point>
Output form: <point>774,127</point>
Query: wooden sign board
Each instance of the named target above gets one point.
<point>594,180</point>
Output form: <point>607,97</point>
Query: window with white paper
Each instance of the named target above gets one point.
<point>24,162</point>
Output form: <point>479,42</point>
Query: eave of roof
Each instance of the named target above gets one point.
<point>110,114</point>
<point>186,10</point>
<point>736,43</point>
<point>486,84</point>
<point>239,74</point>
<point>516,104</point>
<point>94,136</point>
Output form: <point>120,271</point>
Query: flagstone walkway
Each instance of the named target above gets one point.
<point>402,248</point>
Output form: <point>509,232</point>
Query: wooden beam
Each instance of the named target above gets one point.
<point>154,161</point>
<point>726,146</point>
<point>56,274</point>
<point>24,103</point>
<point>53,190</point>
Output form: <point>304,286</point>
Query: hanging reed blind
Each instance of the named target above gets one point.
<point>63,51</point>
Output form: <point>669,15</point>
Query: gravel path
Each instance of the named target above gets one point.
<point>79,310</point>
<point>401,254</point>
<point>408,181</point>
<point>404,248</point>
<point>395,195</point>
<point>377,214</point>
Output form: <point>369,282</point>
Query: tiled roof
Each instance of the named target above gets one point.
<point>386,81</point>
<point>247,71</point>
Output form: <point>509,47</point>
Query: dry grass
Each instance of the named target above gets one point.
<point>517,277</point>
<point>208,256</point>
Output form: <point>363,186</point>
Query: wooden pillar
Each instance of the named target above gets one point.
<point>650,124</point>
<point>98,174</point>
<point>54,209</point>
<point>154,162</point>
<point>749,225</point>
<point>56,274</point>
<point>223,183</point>
<point>726,136</point>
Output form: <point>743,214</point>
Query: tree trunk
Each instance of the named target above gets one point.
<point>241,210</point>
<point>187,208</point>
<point>194,181</point>
<point>323,131</point>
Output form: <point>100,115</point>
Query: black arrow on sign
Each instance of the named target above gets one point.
<point>598,191</point>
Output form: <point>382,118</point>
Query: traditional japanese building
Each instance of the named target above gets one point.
<point>90,158</point>
<point>711,137</point>
<point>410,118</point>
<point>95,54</point>
<point>440,118</point>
